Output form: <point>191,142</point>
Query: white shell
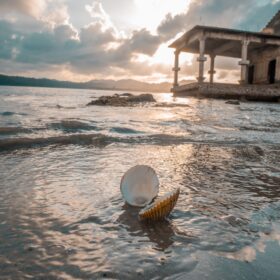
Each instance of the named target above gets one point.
<point>139,185</point>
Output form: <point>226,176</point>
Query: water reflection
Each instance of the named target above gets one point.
<point>61,212</point>
<point>68,207</point>
<point>249,253</point>
<point>161,233</point>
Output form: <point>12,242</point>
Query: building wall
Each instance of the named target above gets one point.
<point>260,60</point>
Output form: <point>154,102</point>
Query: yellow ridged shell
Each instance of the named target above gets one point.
<point>161,208</point>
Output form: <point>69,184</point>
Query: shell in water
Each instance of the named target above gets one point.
<point>161,208</point>
<point>139,185</point>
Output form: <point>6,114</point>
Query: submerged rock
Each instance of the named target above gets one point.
<point>233,102</point>
<point>122,100</point>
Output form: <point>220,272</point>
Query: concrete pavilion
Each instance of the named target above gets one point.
<point>259,54</point>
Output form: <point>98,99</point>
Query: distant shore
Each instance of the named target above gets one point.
<point>126,85</point>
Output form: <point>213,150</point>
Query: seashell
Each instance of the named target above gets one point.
<point>161,208</point>
<point>139,185</point>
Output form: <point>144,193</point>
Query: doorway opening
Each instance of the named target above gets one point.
<point>272,71</point>
<point>251,71</point>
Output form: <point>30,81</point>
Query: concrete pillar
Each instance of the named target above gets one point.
<point>176,68</point>
<point>244,62</point>
<point>212,68</point>
<point>277,77</point>
<point>201,59</point>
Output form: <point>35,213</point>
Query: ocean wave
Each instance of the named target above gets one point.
<point>72,125</point>
<point>102,140</point>
<point>9,113</point>
<point>95,139</point>
<point>64,107</point>
<point>125,130</point>
<point>67,126</point>
<point>259,128</point>
<point>75,139</point>
<point>13,130</point>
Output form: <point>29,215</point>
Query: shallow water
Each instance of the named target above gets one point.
<point>61,212</point>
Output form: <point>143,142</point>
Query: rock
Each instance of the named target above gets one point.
<point>233,102</point>
<point>30,248</point>
<point>145,97</point>
<point>126,94</point>
<point>117,100</point>
<point>243,99</point>
<point>170,105</point>
<point>234,221</point>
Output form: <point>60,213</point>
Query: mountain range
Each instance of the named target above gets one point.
<point>127,84</point>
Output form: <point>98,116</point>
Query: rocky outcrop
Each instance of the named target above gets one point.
<point>126,94</point>
<point>122,100</point>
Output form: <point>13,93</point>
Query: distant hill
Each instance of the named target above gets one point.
<point>127,85</point>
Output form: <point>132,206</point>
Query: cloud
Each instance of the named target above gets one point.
<point>31,7</point>
<point>65,32</point>
<point>95,48</point>
<point>99,15</point>
<point>240,14</point>
<point>95,35</point>
<point>55,13</point>
<point>91,50</point>
<point>144,42</point>
<point>7,43</point>
<point>226,63</point>
<point>42,39</point>
<point>34,14</point>
<point>172,25</point>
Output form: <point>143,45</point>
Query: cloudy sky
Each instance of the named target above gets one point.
<point>81,40</point>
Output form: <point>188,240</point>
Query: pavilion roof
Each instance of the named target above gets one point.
<point>223,41</point>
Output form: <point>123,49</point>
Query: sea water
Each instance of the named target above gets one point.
<point>61,211</point>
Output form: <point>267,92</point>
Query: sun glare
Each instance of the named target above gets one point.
<point>154,11</point>
<point>165,55</point>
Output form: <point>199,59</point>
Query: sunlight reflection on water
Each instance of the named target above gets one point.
<point>61,211</point>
